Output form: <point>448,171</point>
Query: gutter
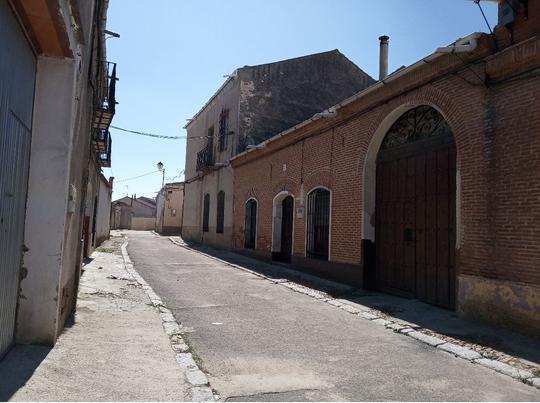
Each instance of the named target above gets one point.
<point>466,44</point>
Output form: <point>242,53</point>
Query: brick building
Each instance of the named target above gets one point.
<point>252,105</point>
<point>426,184</point>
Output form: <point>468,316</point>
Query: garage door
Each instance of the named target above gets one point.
<point>17,77</point>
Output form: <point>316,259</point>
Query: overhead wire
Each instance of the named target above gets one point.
<point>136,177</point>
<point>177,176</point>
<point>162,136</point>
<point>484,15</point>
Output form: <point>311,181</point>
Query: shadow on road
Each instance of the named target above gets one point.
<point>411,311</point>
<point>18,366</point>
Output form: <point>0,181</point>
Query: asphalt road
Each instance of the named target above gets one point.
<point>261,341</point>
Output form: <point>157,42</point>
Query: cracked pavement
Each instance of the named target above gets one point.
<point>114,349</point>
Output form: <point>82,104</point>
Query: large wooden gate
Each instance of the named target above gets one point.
<point>415,209</point>
<point>17,75</point>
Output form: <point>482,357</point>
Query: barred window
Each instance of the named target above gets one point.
<point>223,129</point>
<point>206,212</point>
<point>318,224</point>
<point>250,228</point>
<point>220,212</point>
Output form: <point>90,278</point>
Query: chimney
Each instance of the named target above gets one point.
<point>383,57</point>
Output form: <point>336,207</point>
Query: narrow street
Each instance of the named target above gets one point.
<point>257,340</point>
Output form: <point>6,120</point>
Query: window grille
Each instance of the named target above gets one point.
<point>220,212</point>
<point>250,228</point>
<point>206,212</point>
<point>318,224</point>
<point>223,129</point>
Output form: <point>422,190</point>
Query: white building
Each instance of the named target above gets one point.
<point>169,208</point>
<point>56,103</point>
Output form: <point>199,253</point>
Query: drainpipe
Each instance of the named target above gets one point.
<point>383,57</point>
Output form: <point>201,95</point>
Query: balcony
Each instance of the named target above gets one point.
<point>205,157</point>
<point>102,142</point>
<point>104,108</point>
<point>105,96</point>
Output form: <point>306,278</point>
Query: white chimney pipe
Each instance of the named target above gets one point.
<point>383,57</point>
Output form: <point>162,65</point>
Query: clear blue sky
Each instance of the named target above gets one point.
<point>172,55</point>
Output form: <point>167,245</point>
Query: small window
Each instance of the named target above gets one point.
<point>206,212</point>
<point>173,212</point>
<point>250,228</point>
<point>220,212</point>
<point>318,224</point>
<point>223,129</point>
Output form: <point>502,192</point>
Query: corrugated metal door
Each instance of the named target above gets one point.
<point>17,77</point>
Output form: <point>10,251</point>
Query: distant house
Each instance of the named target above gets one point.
<point>169,206</point>
<point>252,105</point>
<point>97,214</point>
<point>133,213</point>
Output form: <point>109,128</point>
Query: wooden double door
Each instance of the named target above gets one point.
<point>416,219</point>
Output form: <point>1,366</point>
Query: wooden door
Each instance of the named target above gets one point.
<point>287,229</point>
<point>415,218</point>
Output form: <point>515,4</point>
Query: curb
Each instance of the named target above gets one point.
<point>200,387</point>
<point>456,350</point>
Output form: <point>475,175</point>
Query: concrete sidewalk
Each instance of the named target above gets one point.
<point>115,349</point>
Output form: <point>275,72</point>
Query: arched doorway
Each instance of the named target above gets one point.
<point>250,224</point>
<point>282,232</point>
<point>415,210</point>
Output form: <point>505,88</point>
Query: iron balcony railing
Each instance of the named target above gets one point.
<point>104,151</point>
<point>101,140</point>
<point>105,95</point>
<point>104,109</point>
<point>205,157</point>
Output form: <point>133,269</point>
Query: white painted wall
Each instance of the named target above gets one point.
<point>103,211</point>
<point>222,179</point>
<point>169,206</point>
<point>46,210</point>
<point>143,223</point>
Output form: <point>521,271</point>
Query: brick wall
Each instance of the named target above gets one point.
<point>495,121</point>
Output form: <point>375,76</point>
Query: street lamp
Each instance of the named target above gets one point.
<point>161,168</point>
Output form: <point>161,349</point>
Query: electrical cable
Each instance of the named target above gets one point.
<point>163,136</point>
<point>177,176</point>
<point>483,15</point>
<point>468,67</point>
<point>136,177</point>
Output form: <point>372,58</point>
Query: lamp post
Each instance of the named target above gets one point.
<point>161,168</point>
